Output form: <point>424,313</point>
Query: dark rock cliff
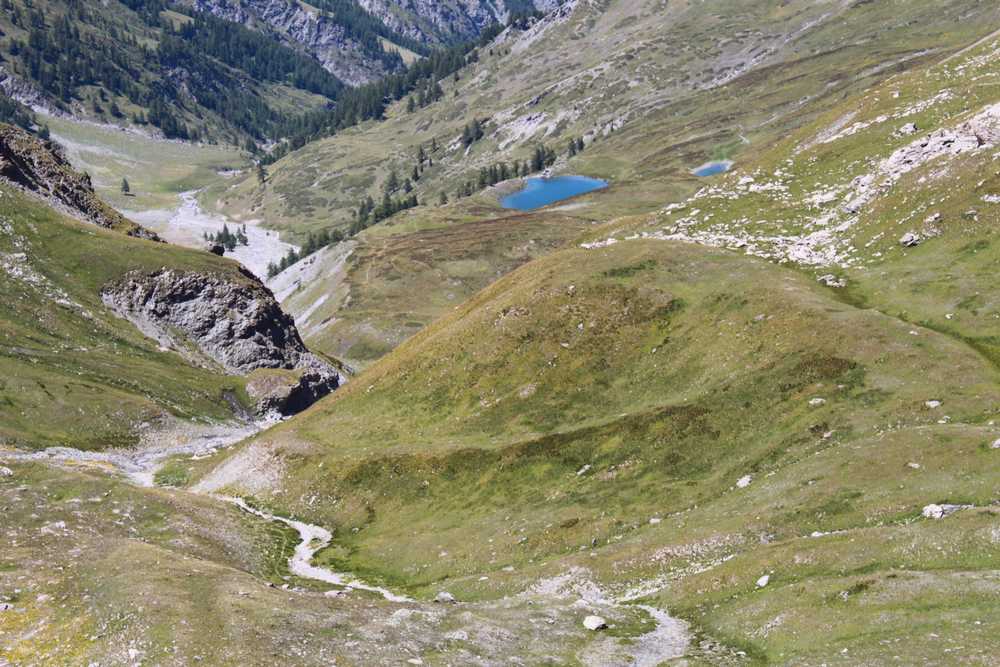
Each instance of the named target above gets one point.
<point>233,325</point>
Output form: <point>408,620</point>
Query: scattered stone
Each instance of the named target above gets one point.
<point>6,606</point>
<point>933,404</point>
<point>744,481</point>
<point>444,597</point>
<point>6,472</point>
<point>915,466</point>
<point>831,280</point>
<point>583,470</point>
<point>996,444</point>
<point>595,623</point>
<point>935,511</point>
<point>816,402</point>
<point>908,129</point>
<point>763,581</point>
<point>415,661</point>
<point>655,520</point>
<point>910,240</point>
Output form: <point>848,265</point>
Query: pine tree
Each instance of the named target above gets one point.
<point>443,199</point>
<point>126,188</point>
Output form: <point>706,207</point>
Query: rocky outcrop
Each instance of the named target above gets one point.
<point>21,91</point>
<point>230,323</point>
<point>305,28</point>
<point>38,166</point>
<point>980,132</point>
<point>433,21</point>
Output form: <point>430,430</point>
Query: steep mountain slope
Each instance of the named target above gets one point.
<point>679,412</point>
<point>191,69</point>
<point>453,20</point>
<point>652,103</point>
<point>348,44</point>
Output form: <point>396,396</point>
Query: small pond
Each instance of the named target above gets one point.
<point>539,192</point>
<point>713,168</point>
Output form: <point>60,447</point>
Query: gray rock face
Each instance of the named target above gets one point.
<point>304,28</point>
<point>223,323</point>
<point>22,91</point>
<point>435,21</point>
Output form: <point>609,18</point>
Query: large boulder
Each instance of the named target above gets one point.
<point>231,323</point>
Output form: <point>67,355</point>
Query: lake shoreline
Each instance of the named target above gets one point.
<point>538,192</point>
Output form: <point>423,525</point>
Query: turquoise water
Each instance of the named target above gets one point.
<point>713,168</point>
<point>539,192</point>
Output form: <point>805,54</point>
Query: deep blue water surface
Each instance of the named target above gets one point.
<point>539,192</point>
<point>713,168</point>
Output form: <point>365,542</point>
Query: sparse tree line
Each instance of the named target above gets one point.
<point>224,237</point>
<point>370,102</point>
<point>427,93</point>
<point>369,213</point>
<point>398,195</point>
<point>314,243</point>
<point>541,158</point>
<point>472,133</point>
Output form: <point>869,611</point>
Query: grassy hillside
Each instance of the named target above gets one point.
<point>765,379</point>
<point>73,373</point>
<point>655,99</point>
<point>157,171</point>
<point>545,423</point>
<point>672,102</point>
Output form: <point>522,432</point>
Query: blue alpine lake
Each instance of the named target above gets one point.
<point>539,192</point>
<point>713,168</point>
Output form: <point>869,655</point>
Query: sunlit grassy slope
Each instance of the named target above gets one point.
<point>73,373</point>
<point>680,418</point>
<point>157,170</point>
